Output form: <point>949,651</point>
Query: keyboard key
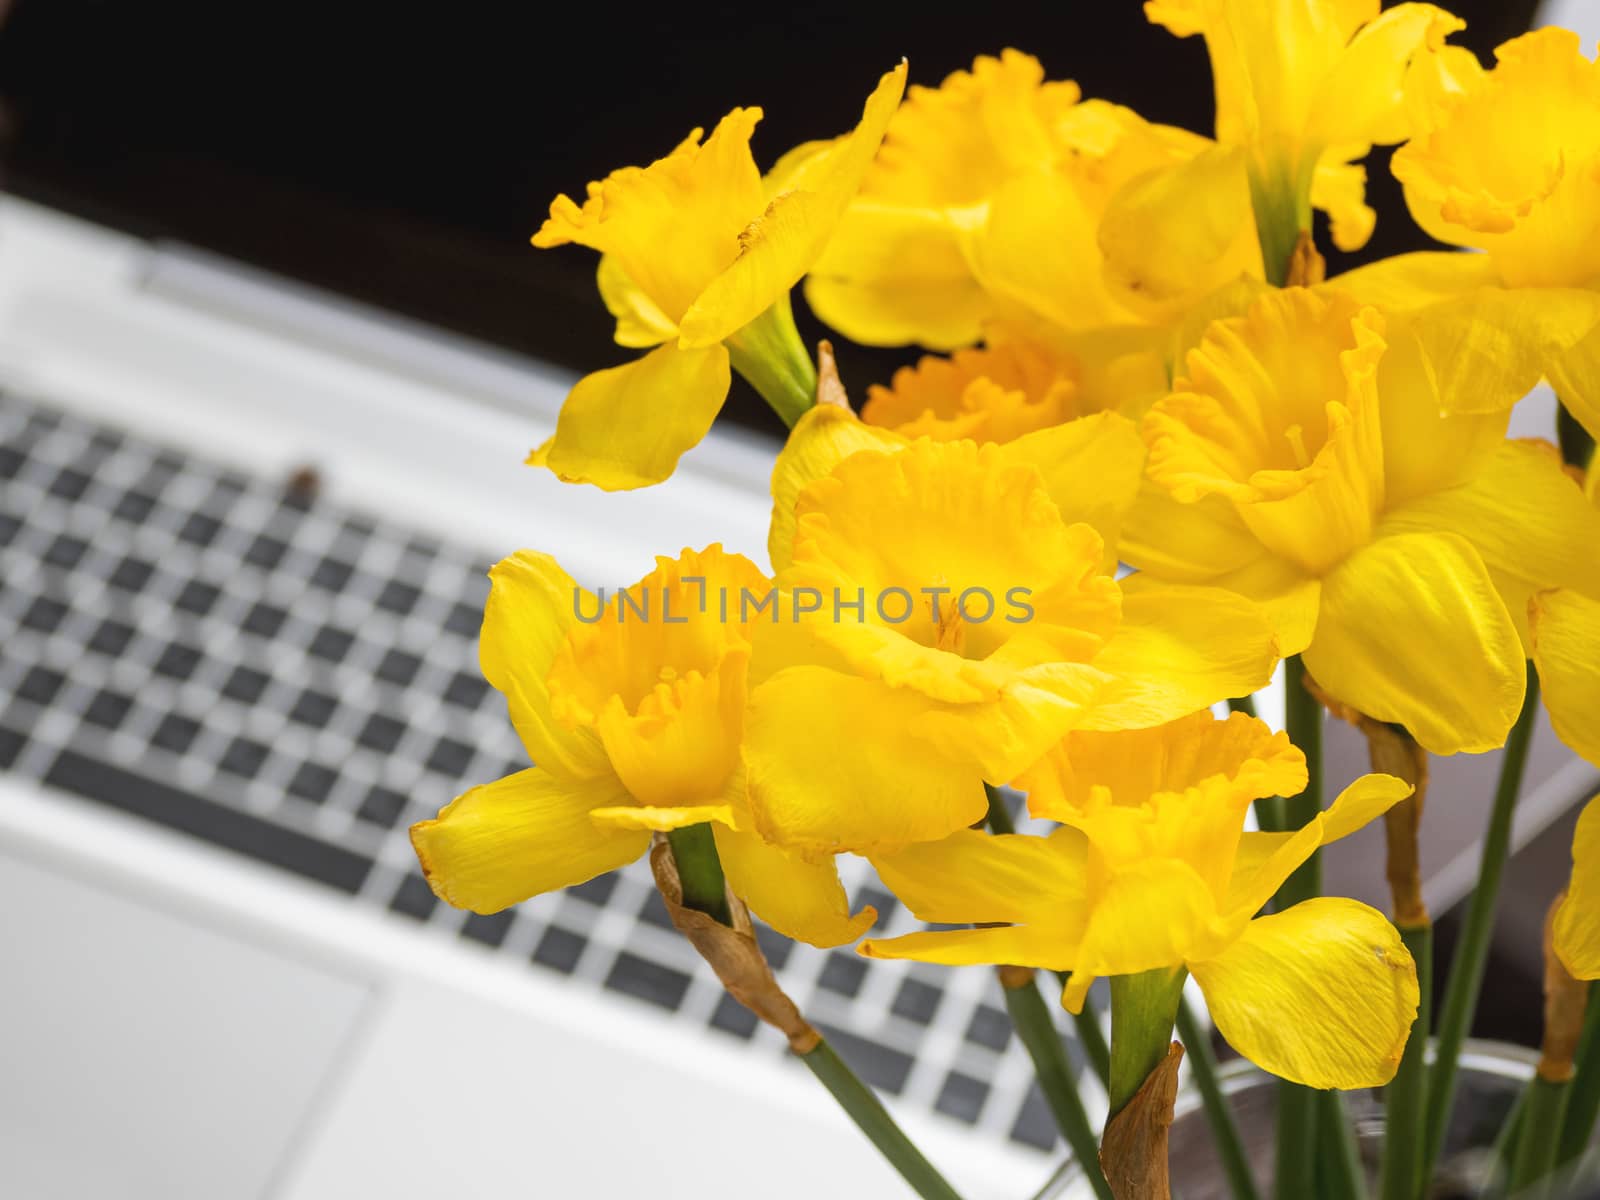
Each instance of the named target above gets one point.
<point>266,552</point>
<point>881,1066</point>
<point>200,529</point>
<point>989,1027</point>
<point>559,949</point>
<point>466,691</point>
<point>331,644</point>
<point>381,733</point>
<point>917,1001</point>
<point>244,757</point>
<point>135,507</point>
<point>382,806</point>
<point>451,757</point>
<point>69,484</point>
<point>175,733</point>
<point>198,598</point>
<point>132,574</point>
<point>11,462</point>
<point>112,638</point>
<point>115,787</point>
<point>245,685</point>
<point>398,598</point>
<point>314,708</point>
<point>732,1017</point>
<point>332,575</point>
<point>178,661</point>
<point>465,620</point>
<point>40,685</point>
<point>11,744</point>
<point>44,614</point>
<point>66,551</point>
<point>265,620</point>
<point>414,898</point>
<point>843,973</point>
<point>108,709</point>
<point>491,929</point>
<point>313,782</point>
<point>649,981</point>
<point>962,1097</point>
<point>399,668</point>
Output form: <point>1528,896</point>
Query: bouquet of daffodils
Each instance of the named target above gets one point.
<point>1139,361</point>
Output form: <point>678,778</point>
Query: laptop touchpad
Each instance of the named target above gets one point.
<point>146,1055</point>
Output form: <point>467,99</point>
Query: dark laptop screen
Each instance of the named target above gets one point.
<point>403,154</point>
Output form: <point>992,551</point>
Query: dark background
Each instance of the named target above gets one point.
<point>403,155</point>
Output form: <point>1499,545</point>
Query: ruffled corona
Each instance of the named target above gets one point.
<point>1000,196</point>
<point>1152,869</point>
<point>633,713</point>
<point>951,621</point>
<point>989,395</point>
<point>1303,461</point>
<point>697,247</point>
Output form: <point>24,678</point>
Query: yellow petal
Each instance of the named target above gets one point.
<point>834,763</point>
<point>1172,235</point>
<point>673,226</point>
<point>1412,630</point>
<point>1566,649</point>
<point>1180,649</point>
<point>1174,757</point>
<point>1575,375</point>
<point>1340,190</point>
<point>1408,282</point>
<point>976,878</point>
<point>1265,860</point>
<point>531,607</point>
<point>1015,945</point>
<point>1091,468</point>
<point>1185,542</point>
<point>498,844</point>
<point>1287,595</point>
<point>626,427</point>
<point>660,674</point>
<point>1147,915</point>
<point>1363,98</point>
<point>1487,348</point>
<point>640,323</point>
<point>780,244</point>
<point>1322,995</point>
<point>823,438</point>
<point>1527,518</point>
<point>642,816</point>
<point>1577,925</point>
<point>799,898</point>
<point>895,275</point>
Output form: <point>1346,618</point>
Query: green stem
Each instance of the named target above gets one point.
<point>1583,1105</point>
<point>1297,1105</point>
<point>1541,1134</point>
<point>1282,206</point>
<point>1269,809</point>
<point>1243,704</point>
<point>1341,1176</point>
<point>1505,1145</point>
<point>1031,1017</point>
<point>1219,1113</point>
<point>700,871</point>
<point>769,354</point>
<point>1405,1100</point>
<point>1472,948</point>
<point>1088,1026</point>
<point>1143,1009</point>
<point>874,1120</point>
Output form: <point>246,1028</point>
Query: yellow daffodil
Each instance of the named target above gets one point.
<point>999,195</point>
<point>947,614</point>
<point>1577,924</point>
<point>989,395</point>
<point>1305,88</point>
<point>633,713</point>
<point>1152,869</point>
<point>1303,461</point>
<point>1506,161</point>
<point>699,257</point>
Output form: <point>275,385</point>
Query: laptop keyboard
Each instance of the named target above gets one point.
<point>233,658</point>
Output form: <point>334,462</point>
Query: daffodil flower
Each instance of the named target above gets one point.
<point>1305,88</point>
<point>1152,869</point>
<point>994,394</point>
<point>699,257</point>
<point>1577,923</point>
<point>633,713</point>
<point>1507,161</point>
<point>1303,461</point>
<point>956,616</point>
<point>999,196</point>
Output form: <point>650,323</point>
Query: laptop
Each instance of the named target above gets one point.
<point>244,530</point>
